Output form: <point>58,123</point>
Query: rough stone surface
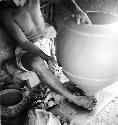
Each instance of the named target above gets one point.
<point>108,116</point>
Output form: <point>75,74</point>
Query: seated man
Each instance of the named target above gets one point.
<point>35,42</point>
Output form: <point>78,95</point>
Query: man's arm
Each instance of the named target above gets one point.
<point>19,36</point>
<point>71,5</point>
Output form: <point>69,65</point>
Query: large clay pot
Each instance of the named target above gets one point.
<point>88,54</point>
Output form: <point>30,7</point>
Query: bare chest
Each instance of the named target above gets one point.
<point>24,20</point>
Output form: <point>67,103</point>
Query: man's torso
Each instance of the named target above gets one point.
<point>29,19</point>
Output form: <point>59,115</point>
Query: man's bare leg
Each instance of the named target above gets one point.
<point>37,64</point>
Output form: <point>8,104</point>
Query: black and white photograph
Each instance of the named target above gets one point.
<point>58,62</point>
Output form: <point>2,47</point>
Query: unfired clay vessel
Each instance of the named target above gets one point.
<point>87,53</point>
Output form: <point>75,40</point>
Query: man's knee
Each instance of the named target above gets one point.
<point>31,62</point>
<point>38,63</point>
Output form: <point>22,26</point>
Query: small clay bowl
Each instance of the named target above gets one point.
<point>10,97</point>
<point>12,102</point>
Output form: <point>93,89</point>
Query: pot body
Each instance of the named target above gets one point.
<point>88,54</point>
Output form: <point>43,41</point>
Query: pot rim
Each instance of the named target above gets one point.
<point>11,111</point>
<point>109,24</point>
<point>9,90</point>
<point>95,25</point>
<point>106,27</point>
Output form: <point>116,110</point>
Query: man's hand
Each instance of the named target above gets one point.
<point>50,60</point>
<point>81,17</point>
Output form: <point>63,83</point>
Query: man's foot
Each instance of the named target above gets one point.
<point>87,102</point>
